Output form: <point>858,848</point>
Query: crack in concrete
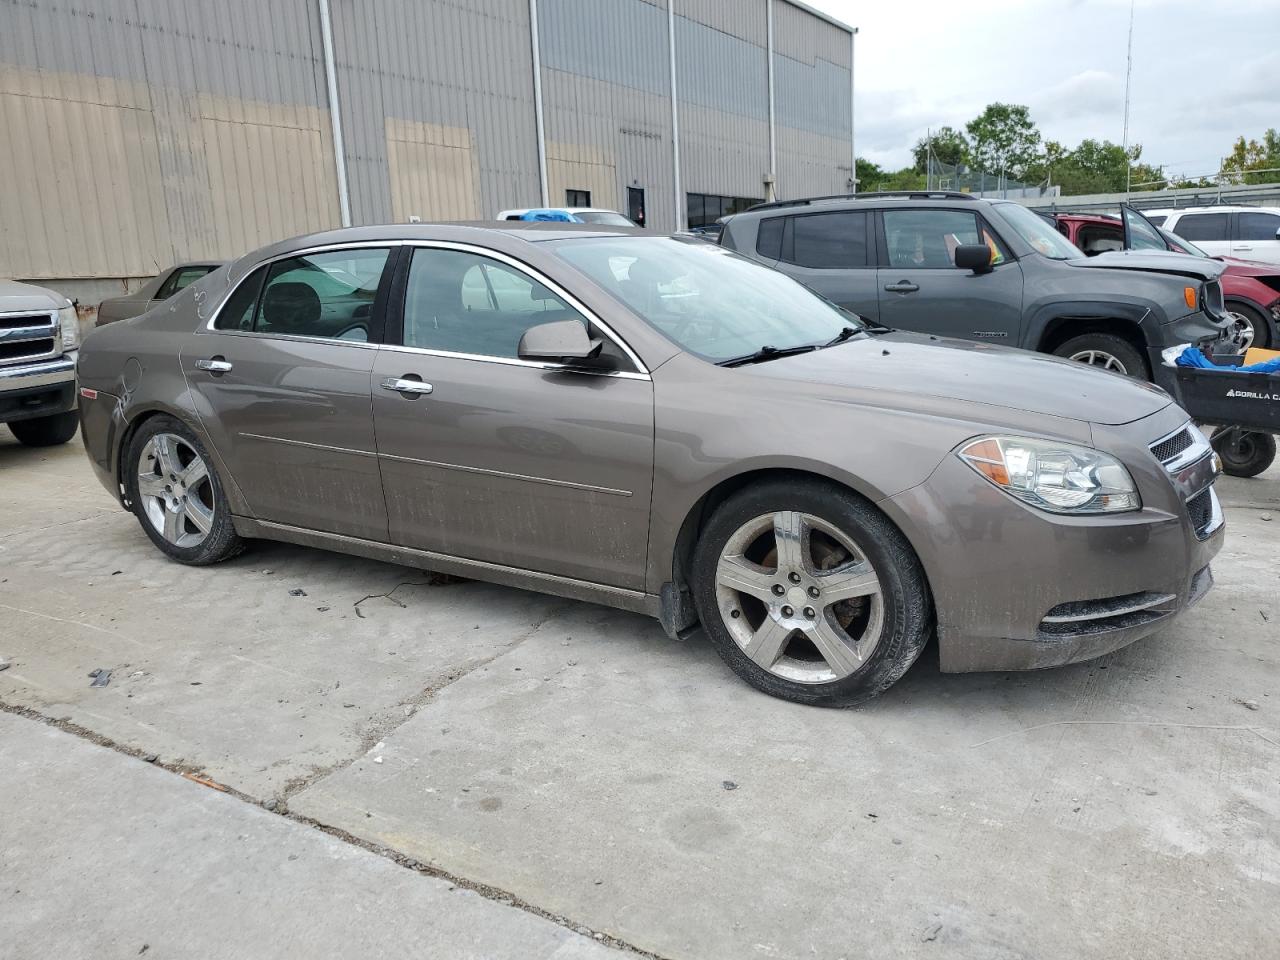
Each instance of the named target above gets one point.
<point>495,894</point>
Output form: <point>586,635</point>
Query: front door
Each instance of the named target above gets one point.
<point>830,253</point>
<point>1256,236</point>
<point>284,379</point>
<point>920,287</point>
<point>488,457</point>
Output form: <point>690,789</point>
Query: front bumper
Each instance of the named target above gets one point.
<point>41,389</point>
<point>1019,589</point>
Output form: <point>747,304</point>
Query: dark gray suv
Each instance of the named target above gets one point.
<point>991,270</point>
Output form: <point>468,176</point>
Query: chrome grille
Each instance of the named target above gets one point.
<point>25,337</point>
<point>1168,448</point>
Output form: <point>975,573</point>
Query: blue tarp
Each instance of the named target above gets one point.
<point>562,216</point>
<point>1191,357</point>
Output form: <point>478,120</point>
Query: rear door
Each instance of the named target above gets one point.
<point>828,252</point>
<point>920,287</point>
<point>1256,236</point>
<point>488,457</point>
<point>284,376</point>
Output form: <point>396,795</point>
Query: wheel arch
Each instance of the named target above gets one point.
<point>1060,328</point>
<point>677,613</point>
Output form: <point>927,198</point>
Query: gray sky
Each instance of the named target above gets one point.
<point>1204,72</point>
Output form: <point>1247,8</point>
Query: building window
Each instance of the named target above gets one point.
<point>704,209</point>
<point>635,205</point>
<point>577,198</point>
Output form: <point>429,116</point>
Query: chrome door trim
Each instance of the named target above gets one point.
<point>517,362</point>
<point>590,488</point>
<point>538,277</point>
<point>634,600</point>
<point>305,443</point>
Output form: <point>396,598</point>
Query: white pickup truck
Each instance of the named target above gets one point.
<point>39,335</point>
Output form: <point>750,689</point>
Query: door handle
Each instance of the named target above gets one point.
<point>902,286</point>
<point>408,384</point>
<point>1238,247</point>
<point>214,365</point>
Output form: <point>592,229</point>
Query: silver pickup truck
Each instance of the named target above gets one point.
<point>39,335</point>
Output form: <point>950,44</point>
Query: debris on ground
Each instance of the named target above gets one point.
<point>435,579</point>
<point>1266,516</point>
<point>931,932</point>
<point>323,609</point>
<point>151,757</point>
<point>270,804</point>
<point>101,677</point>
<point>4,664</point>
<point>729,785</point>
<point>377,759</point>
<point>297,592</point>
<point>205,782</point>
<point>1247,704</point>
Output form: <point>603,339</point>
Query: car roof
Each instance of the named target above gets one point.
<point>480,232</point>
<point>1216,208</point>
<point>857,201</point>
<point>516,211</point>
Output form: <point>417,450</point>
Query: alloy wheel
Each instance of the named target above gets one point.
<point>1244,330</point>
<point>799,597</point>
<point>175,490</point>
<point>1100,358</point>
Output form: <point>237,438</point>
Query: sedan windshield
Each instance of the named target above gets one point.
<point>710,301</point>
<point>605,218</point>
<point>1039,232</point>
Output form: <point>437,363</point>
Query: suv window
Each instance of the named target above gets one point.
<point>927,239</point>
<point>1257,226</point>
<point>1202,226</point>
<point>1157,218</point>
<point>180,279</point>
<point>769,237</point>
<point>462,302</point>
<point>827,240</point>
<point>328,295</point>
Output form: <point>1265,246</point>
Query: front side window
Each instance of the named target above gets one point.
<point>328,295</point>
<point>1202,226</point>
<point>1038,234</point>
<point>1142,235</point>
<point>705,298</point>
<point>927,239</point>
<point>827,240</point>
<point>461,302</point>
<point>1257,226</point>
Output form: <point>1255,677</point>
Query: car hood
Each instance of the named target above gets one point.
<point>1150,261</point>
<point>27,296</point>
<point>917,365</point>
<point>1249,268</point>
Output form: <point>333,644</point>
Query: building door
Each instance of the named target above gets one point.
<point>635,205</point>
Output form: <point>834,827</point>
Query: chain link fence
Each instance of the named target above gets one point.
<point>947,176</point>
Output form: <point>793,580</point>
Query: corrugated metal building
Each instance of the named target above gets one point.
<point>138,133</point>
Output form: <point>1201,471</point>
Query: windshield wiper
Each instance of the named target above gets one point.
<point>766,353</point>
<point>842,336</point>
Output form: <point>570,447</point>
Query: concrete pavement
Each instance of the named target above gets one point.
<point>571,759</point>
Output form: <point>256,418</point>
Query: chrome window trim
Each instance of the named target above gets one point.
<point>537,277</point>
<point>640,373</point>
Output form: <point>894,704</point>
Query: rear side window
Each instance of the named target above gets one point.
<point>827,241</point>
<point>180,279</point>
<point>328,295</point>
<point>1257,226</point>
<point>1202,226</point>
<point>769,238</point>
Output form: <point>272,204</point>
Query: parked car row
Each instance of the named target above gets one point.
<point>1248,233</point>
<point>665,425</point>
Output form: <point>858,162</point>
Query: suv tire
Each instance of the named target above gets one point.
<point>46,431</point>
<point>810,594</point>
<point>176,495</point>
<point>1108,351</point>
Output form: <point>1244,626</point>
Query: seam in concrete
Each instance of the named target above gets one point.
<point>485,890</point>
<point>1130,723</point>
<point>380,730</point>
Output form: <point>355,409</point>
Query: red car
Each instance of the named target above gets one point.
<point>1251,289</point>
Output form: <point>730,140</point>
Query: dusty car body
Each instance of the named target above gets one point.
<point>154,292</point>
<point>589,412</point>
<point>39,335</point>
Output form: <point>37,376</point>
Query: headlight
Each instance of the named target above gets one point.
<point>70,325</point>
<point>1058,477</point>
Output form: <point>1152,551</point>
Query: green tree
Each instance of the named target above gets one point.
<point>949,145</point>
<point>1004,139</point>
<point>869,175</point>
<point>1250,155</point>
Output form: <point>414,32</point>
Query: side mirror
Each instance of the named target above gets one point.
<point>974,256</point>
<point>558,340</point>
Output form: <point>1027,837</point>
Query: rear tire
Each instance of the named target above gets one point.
<point>176,495</point>
<point>46,431</point>
<point>1107,351</point>
<point>1244,453</point>
<point>810,594</point>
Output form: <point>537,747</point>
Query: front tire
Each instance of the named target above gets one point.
<point>46,431</point>
<point>1107,351</point>
<point>810,594</point>
<point>1244,453</point>
<point>176,495</point>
